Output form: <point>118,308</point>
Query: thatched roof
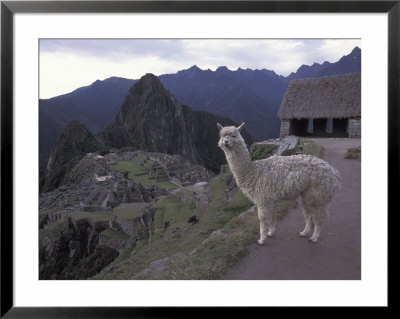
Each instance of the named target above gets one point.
<point>337,96</point>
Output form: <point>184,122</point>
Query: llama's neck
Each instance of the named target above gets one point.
<point>239,162</point>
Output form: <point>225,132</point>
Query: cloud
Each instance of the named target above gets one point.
<point>332,49</point>
<point>111,48</point>
<point>64,72</point>
<point>66,64</point>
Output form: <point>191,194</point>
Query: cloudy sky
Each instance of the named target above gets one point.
<point>66,64</point>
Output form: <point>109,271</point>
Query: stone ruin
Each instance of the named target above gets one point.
<point>176,169</point>
<point>96,187</point>
<point>122,191</point>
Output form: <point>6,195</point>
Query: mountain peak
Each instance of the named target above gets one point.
<point>190,72</point>
<point>194,68</point>
<point>349,63</point>
<point>147,98</point>
<point>145,83</point>
<point>74,141</point>
<point>222,68</point>
<point>149,77</point>
<point>75,124</point>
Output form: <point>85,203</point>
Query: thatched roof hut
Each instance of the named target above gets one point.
<point>330,97</point>
<point>337,96</point>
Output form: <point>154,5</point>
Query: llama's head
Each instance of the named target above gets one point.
<point>230,136</point>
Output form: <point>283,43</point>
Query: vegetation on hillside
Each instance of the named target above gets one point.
<point>175,246</point>
<point>173,236</point>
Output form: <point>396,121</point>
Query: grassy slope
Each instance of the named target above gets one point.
<point>95,216</point>
<point>55,229</point>
<point>115,234</point>
<point>180,236</point>
<point>209,255</point>
<point>130,211</point>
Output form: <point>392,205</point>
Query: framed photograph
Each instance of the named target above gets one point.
<point>132,134</point>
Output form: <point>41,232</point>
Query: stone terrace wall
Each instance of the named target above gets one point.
<point>285,128</point>
<point>355,127</point>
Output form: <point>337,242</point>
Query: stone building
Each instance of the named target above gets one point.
<point>328,107</point>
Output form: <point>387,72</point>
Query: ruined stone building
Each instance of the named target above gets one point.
<point>328,107</point>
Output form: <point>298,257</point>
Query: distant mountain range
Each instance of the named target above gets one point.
<point>252,96</point>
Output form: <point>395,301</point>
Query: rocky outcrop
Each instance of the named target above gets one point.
<point>86,246</point>
<point>288,144</point>
<point>75,254</point>
<point>74,141</point>
<point>150,119</point>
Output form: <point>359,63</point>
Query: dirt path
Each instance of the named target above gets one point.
<point>337,255</point>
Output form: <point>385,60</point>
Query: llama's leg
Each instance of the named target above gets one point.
<point>316,208</point>
<point>320,214</point>
<point>267,222</point>
<point>271,221</point>
<point>309,224</point>
<point>262,217</point>
<point>263,232</point>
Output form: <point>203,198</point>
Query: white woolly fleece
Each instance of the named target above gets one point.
<point>265,182</point>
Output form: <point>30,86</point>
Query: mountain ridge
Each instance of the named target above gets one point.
<point>150,119</point>
<point>221,93</point>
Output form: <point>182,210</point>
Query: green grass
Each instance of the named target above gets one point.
<point>181,236</point>
<point>55,229</point>
<point>100,216</point>
<point>313,149</point>
<point>171,209</point>
<point>134,167</point>
<point>117,234</point>
<point>130,211</point>
<point>211,259</point>
<point>220,212</point>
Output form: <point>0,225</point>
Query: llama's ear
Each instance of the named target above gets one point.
<point>239,128</point>
<point>219,126</point>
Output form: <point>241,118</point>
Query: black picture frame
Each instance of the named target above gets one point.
<point>9,8</point>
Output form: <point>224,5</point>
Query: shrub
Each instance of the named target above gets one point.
<point>353,153</point>
<point>261,151</point>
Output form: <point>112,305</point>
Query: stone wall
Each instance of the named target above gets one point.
<point>355,127</point>
<point>285,128</point>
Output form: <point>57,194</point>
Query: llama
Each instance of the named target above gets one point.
<point>266,182</point>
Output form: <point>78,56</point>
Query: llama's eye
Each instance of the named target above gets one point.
<point>233,135</point>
